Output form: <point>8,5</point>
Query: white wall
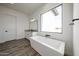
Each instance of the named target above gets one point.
<point>21,19</point>
<point>76,29</point>
<point>76,10</point>
<point>67,34</point>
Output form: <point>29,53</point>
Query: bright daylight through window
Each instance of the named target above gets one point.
<point>51,21</point>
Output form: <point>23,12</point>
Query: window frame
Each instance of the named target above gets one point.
<point>61,22</point>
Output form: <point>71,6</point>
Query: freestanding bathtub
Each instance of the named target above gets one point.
<point>46,46</point>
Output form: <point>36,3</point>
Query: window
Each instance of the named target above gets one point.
<point>51,21</point>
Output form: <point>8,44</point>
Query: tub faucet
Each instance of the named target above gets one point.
<point>47,35</point>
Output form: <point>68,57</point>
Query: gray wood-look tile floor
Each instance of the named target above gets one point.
<point>20,47</point>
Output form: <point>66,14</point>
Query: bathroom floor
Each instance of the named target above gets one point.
<point>19,47</point>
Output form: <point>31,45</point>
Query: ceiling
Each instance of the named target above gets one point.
<point>27,8</point>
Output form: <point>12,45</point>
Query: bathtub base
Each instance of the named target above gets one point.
<point>42,50</point>
<point>45,50</point>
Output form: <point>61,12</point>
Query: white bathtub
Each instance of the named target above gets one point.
<point>47,47</point>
